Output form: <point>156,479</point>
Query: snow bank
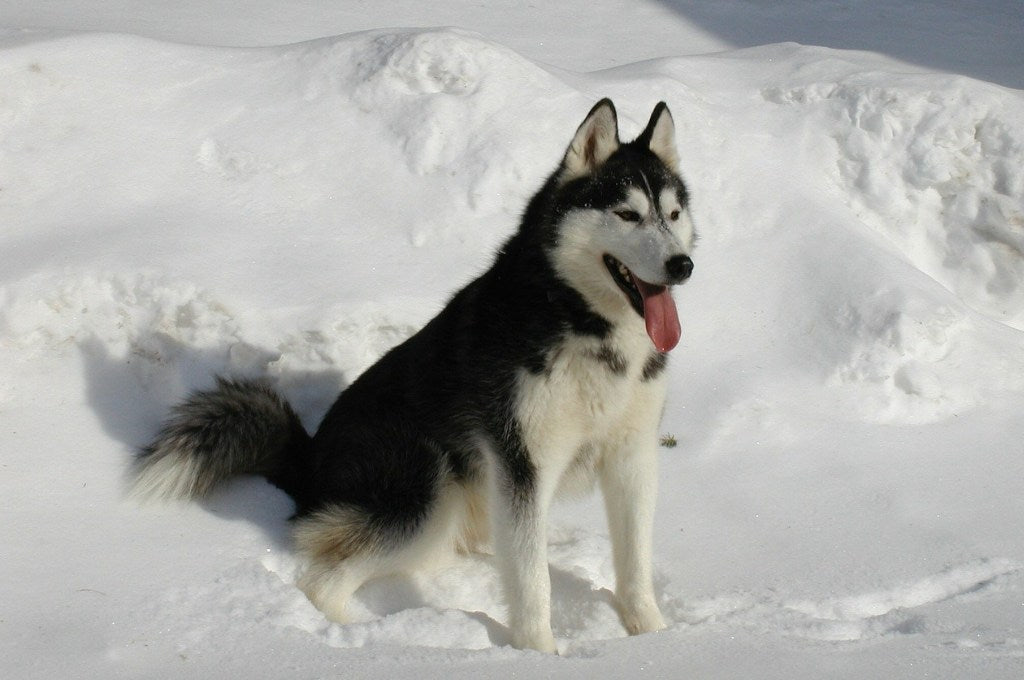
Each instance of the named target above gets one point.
<point>846,397</point>
<point>935,165</point>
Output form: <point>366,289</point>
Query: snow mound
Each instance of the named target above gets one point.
<point>443,97</point>
<point>914,354</point>
<point>173,336</point>
<point>936,165</point>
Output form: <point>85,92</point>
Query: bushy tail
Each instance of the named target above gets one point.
<point>239,427</point>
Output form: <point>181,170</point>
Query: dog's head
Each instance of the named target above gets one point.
<point>624,234</point>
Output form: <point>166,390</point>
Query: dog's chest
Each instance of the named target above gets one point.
<point>588,392</point>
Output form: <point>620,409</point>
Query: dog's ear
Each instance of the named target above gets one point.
<point>660,136</point>
<point>596,139</point>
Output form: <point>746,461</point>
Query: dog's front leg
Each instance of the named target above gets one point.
<point>520,546</point>
<point>629,481</point>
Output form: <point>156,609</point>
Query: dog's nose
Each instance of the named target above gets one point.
<point>679,267</point>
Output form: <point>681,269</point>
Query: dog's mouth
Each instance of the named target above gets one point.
<point>652,302</point>
<point>626,282</point>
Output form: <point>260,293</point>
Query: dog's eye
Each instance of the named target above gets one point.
<point>674,215</point>
<point>628,215</point>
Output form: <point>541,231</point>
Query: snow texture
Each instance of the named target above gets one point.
<point>845,495</point>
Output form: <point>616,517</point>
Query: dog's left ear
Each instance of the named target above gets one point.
<point>660,136</point>
<point>596,139</point>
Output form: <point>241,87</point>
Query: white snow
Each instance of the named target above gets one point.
<point>846,497</point>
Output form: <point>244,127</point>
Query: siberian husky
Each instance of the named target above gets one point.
<point>541,376</point>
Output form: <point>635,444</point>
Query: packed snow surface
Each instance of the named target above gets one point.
<point>842,485</point>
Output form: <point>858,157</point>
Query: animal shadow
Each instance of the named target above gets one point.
<point>132,395</point>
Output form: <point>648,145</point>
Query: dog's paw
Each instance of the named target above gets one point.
<point>540,640</point>
<point>641,617</point>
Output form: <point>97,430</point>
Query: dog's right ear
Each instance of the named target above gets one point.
<point>596,139</point>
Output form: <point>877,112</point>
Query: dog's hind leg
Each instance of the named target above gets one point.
<point>347,546</point>
<point>330,586</point>
<point>343,552</point>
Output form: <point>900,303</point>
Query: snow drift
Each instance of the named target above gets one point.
<point>846,397</point>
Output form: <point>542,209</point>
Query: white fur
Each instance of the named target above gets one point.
<point>636,199</point>
<point>587,235</point>
<point>330,583</point>
<point>681,227</point>
<point>578,260</point>
<point>580,408</point>
<point>629,480</point>
<point>580,419</point>
<point>663,140</point>
<point>172,476</point>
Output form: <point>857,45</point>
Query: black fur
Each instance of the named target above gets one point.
<point>633,165</point>
<point>655,365</point>
<point>428,403</point>
<point>415,411</point>
<point>612,360</point>
<point>422,405</point>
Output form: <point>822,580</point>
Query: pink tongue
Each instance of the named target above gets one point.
<point>660,315</point>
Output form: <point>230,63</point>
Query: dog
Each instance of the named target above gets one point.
<point>542,376</point>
